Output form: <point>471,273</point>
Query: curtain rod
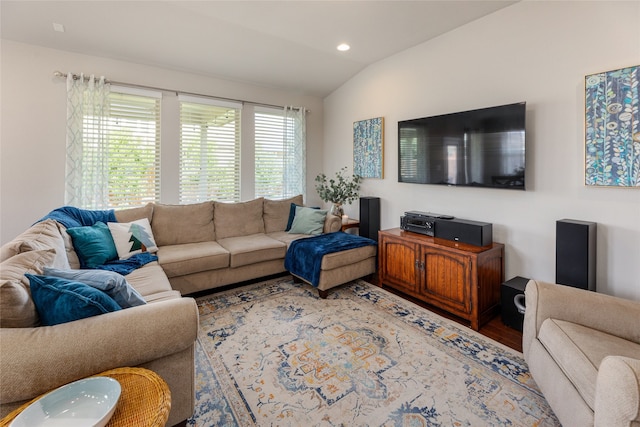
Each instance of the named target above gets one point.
<point>77,76</point>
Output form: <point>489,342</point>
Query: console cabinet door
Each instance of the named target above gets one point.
<point>398,260</point>
<point>461,279</point>
<point>447,278</point>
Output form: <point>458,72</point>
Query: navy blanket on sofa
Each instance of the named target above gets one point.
<point>304,256</point>
<point>70,216</point>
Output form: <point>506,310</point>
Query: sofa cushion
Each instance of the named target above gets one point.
<point>252,249</point>
<point>149,280</point>
<point>132,238</point>
<point>578,351</point>
<point>132,214</point>
<point>9,249</point>
<point>72,256</point>
<point>93,244</point>
<point>276,213</point>
<point>178,260</point>
<point>113,284</point>
<point>308,221</point>
<point>238,219</point>
<point>163,296</point>
<point>350,256</point>
<point>60,300</point>
<point>178,224</point>
<point>41,236</point>
<point>17,309</point>
<point>286,237</point>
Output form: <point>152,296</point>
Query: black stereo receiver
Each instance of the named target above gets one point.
<point>421,222</point>
<point>448,228</point>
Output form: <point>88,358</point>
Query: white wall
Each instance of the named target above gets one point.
<point>538,52</point>
<point>33,125</point>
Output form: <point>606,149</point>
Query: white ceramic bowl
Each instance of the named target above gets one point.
<point>88,403</point>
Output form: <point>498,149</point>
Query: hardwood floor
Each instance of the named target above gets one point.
<point>494,329</point>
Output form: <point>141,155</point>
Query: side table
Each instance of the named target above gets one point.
<point>350,223</point>
<point>145,400</point>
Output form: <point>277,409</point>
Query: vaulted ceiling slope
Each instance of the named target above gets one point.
<point>289,45</point>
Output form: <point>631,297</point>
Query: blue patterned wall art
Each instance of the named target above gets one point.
<point>612,128</point>
<point>368,148</point>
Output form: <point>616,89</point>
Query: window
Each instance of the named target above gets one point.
<point>113,146</point>
<point>209,150</point>
<point>279,153</point>
<point>133,149</point>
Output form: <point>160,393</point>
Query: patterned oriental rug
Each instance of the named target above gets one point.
<point>274,354</point>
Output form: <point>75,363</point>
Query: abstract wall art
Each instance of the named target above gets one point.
<point>368,148</point>
<point>612,128</point>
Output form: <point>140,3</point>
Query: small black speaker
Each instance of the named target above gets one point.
<point>370,217</point>
<point>464,231</point>
<point>576,253</point>
<point>508,291</point>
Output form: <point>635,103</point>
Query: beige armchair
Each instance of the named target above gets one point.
<point>583,350</point>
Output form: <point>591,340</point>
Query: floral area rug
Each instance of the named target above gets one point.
<point>274,354</point>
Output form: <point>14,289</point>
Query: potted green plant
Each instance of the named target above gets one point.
<point>339,190</point>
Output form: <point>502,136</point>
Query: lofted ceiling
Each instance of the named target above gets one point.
<point>288,45</point>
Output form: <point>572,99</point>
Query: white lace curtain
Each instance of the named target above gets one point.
<point>295,151</point>
<point>87,173</point>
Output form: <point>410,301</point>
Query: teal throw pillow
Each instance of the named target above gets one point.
<point>113,284</point>
<point>60,300</point>
<point>94,244</point>
<point>308,221</point>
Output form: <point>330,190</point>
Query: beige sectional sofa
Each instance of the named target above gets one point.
<point>200,247</point>
<point>583,350</point>
<point>212,244</point>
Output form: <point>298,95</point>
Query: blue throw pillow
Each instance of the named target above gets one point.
<point>292,215</point>
<point>94,244</point>
<point>113,284</point>
<point>59,300</point>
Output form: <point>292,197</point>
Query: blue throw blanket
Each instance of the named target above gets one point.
<point>304,256</point>
<point>70,216</point>
<point>126,266</point>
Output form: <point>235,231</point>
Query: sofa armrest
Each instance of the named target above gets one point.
<point>332,223</point>
<point>615,316</point>
<point>617,392</point>
<point>36,360</point>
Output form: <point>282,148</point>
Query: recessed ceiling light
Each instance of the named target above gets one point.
<point>58,27</point>
<point>343,47</point>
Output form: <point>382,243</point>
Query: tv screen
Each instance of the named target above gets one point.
<point>478,148</point>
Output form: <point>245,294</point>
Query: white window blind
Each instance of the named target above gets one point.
<point>133,148</point>
<point>209,150</point>
<point>278,163</point>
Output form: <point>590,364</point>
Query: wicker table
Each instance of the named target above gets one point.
<point>145,400</point>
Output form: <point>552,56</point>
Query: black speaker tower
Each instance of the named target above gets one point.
<point>576,253</point>
<point>370,217</point>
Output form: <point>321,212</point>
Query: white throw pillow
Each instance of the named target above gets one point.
<point>132,237</point>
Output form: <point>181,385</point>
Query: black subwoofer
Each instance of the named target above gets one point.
<point>508,291</point>
<point>576,253</point>
<point>370,217</point>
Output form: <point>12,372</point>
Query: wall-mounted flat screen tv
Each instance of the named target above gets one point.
<point>478,148</point>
